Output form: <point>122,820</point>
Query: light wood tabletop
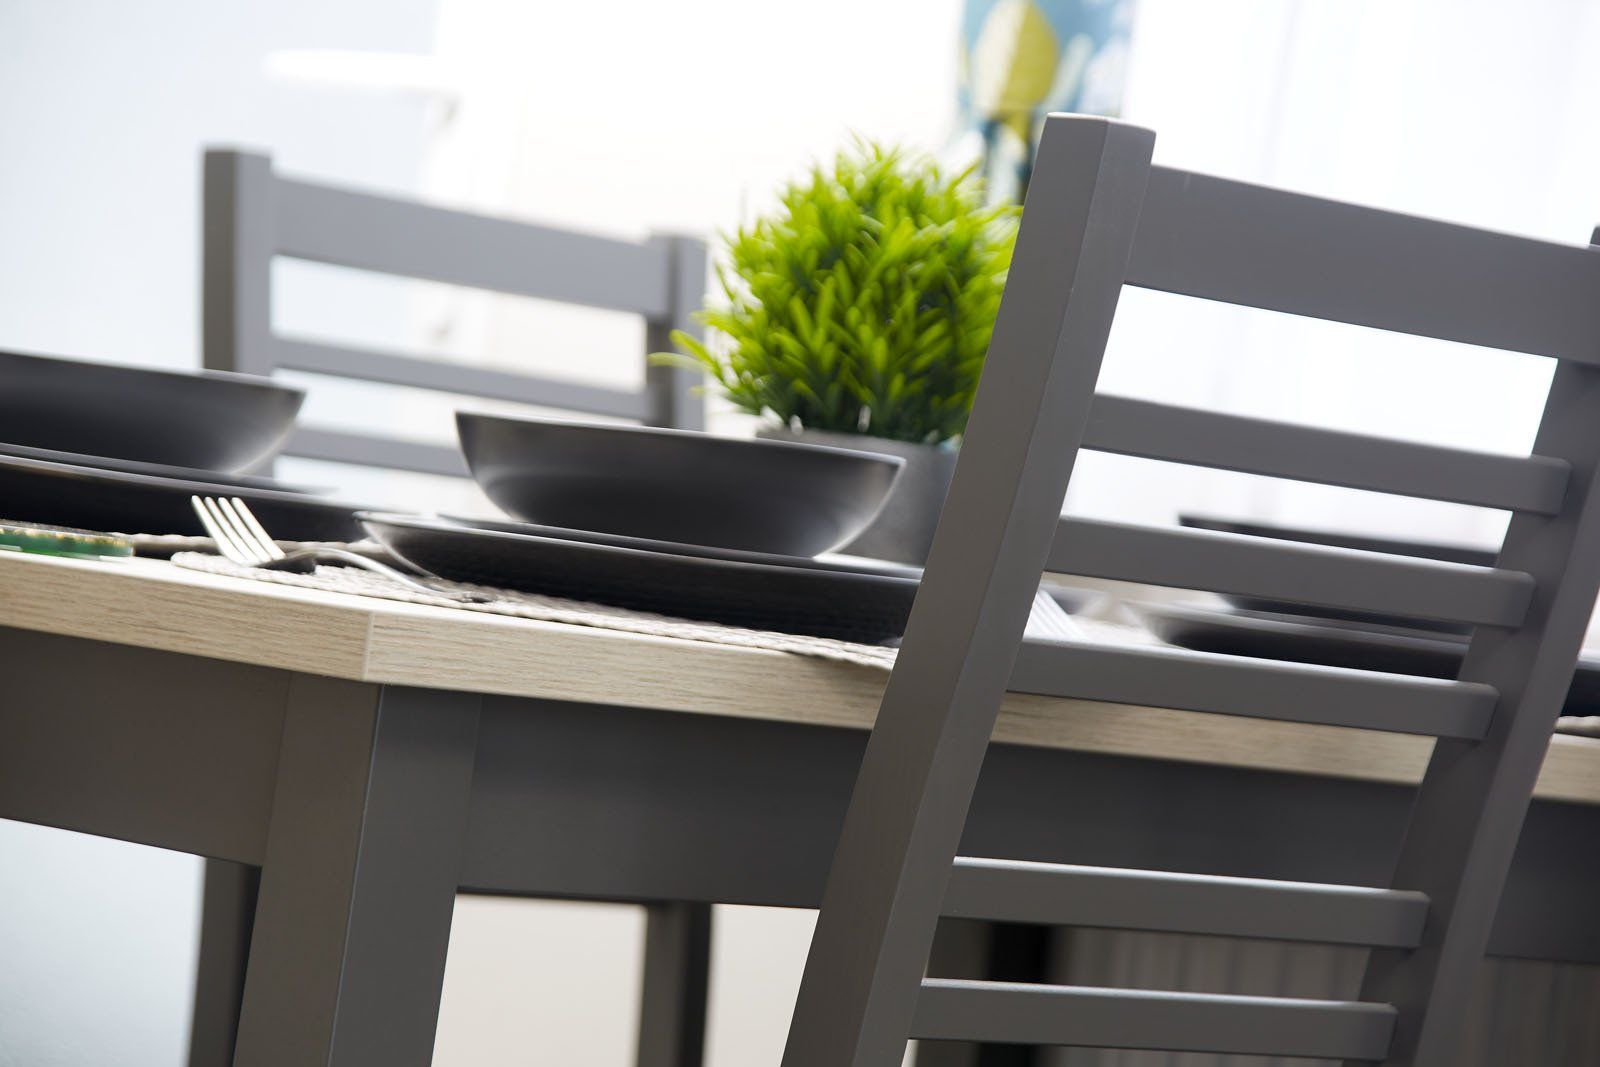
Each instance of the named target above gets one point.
<point>153,604</point>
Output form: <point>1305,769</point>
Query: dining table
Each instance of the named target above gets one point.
<point>373,758</point>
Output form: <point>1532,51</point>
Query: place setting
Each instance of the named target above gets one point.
<point>672,523</point>
<point>637,521</point>
<point>669,521</point>
<point>102,447</point>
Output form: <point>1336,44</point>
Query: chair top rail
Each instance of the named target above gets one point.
<point>1151,430</point>
<point>367,231</point>
<point>951,1010</point>
<point>392,368</point>
<point>1055,894</point>
<point>1344,578</point>
<point>1186,680</point>
<point>1245,244</point>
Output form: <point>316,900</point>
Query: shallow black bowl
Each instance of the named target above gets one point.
<point>675,485</point>
<point>205,419</point>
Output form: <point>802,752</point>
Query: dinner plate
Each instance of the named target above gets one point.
<point>90,498</point>
<point>1448,553</point>
<point>1298,639</point>
<point>157,470</point>
<point>804,596</point>
<point>852,564</point>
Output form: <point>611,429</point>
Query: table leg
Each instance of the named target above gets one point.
<point>227,911</point>
<point>359,878</point>
<point>672,1001</point>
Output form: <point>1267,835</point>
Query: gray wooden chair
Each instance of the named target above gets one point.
<point>1099,216</point>
<point>252,216</point>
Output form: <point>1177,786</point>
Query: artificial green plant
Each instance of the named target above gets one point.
<point>864,302</point>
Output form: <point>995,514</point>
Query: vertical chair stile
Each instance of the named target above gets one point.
<point>921,763</point>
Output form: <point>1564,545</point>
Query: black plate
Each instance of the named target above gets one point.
<point>853,565</point>
<point>854,605</point>
<point>205,419</point>
<point>1477,557</point>
<point>156,470</point>
<point>63,494</point>
<point>1396,650</point>
<point>685,487</point>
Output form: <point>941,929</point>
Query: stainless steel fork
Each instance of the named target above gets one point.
<point>240,538</point>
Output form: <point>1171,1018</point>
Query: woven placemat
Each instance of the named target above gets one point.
<point>1101,622</point>
<point>1047,620</point>
<point>335,579</point>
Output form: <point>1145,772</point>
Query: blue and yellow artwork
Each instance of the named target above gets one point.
<point>1022,59</point>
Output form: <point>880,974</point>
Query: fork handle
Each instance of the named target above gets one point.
<point>356,559</point>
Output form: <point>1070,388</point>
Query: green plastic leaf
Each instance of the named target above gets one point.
<point>864,302</point>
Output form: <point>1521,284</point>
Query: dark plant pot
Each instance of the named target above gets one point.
<point>903,529</point>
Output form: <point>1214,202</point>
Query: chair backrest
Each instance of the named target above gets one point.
<point>1099,216</point>
<point>253,215</point>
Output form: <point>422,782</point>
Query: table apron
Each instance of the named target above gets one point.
<point>157,748</point>
<point>573,800</point>
<point>588,801</point>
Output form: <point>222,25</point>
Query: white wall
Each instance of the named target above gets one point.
<point>104,105</point>
<point>635,116</point>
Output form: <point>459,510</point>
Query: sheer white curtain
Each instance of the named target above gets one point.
<point>1461,109</point>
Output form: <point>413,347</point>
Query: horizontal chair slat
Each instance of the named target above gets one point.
<point>337,446</point>
<point>1282,570</point>
<point>1131,427</point>
<point>1006,1012</point>
<point>326,224</point>
<point>1244,244</point>
<point>1261,689</point>
<point>1059,894</point>
<point>448,376</point>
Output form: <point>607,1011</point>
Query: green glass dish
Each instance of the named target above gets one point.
<point>62,541</point>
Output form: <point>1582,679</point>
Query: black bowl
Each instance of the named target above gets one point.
<point>206,419</point>
<point>676,485</point>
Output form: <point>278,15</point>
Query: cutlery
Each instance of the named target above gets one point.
<point>241,539</point>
